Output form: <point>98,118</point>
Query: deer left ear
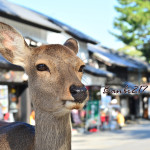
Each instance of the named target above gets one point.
<point>72,44</point>
<point>12,45</point>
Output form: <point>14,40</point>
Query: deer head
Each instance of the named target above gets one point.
<point>54,71</point>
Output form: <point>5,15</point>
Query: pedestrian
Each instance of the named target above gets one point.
<point>120,119</point>
<point>103,119</point>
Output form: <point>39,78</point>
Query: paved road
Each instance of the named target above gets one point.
<point>132,137</point>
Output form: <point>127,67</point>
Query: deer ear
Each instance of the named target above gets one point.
<point>72,44</point>
<point>12,45</point>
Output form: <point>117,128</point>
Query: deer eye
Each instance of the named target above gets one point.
<point>81,68</point>
<point>42,67</point>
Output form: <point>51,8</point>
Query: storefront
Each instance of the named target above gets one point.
<point>13,91</point>
<point>94,79</point>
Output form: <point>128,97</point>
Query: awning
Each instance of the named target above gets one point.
<point>98,72</point>
<point>8,66</point>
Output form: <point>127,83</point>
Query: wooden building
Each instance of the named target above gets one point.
<point>129,72</point>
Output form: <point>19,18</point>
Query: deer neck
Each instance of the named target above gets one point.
<point>52,133</point>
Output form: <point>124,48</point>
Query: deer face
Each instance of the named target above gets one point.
<point>54,71</point>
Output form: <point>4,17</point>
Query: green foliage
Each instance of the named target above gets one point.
<point>132,51</point>
<point>133,22</point>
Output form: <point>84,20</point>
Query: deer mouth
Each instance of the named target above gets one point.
<point>73,104</point>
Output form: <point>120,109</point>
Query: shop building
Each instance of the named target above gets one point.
<point>130,73</point>
<point>13,85</point>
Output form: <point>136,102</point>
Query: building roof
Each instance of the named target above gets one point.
<point>38,19</point>
<point>73,32</point>
<point>140,63</point>
<point>70,30</point>
<point>111,57</point>
<point>98,72</point>
<point>27,16</point>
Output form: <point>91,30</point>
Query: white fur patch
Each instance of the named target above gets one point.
<point>73,105</point>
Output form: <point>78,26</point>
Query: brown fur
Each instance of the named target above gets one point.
<point>49,91</point>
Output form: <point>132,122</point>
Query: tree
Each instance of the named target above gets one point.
<point>132,51</point>
<point>133,22</point>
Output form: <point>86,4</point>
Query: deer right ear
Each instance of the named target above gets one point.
<point>72,44</point>
<point>12,45</point>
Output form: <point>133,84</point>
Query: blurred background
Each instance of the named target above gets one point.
<point>114,39</point>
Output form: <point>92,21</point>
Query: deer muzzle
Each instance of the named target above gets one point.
<point>78,93</point>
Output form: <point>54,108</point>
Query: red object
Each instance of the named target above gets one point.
<point>93,130</point>
<point>6,117</point>
<point>107,119</point>
<point>87,87</point>
<point>103,118</point>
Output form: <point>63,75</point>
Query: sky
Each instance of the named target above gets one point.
<point>92,17</point>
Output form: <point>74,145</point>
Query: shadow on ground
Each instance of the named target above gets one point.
<point>136,133</point>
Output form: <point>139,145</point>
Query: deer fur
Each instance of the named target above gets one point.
<point>49,91</point>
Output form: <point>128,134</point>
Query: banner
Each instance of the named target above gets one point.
<point>92,114</point>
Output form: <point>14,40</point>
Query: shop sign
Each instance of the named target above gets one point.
<point>92,109</point>
<point>92,114</point>
<point>4,98</point>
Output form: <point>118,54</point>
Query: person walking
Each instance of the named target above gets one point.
<point>120,119</point>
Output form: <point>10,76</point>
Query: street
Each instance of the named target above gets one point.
<point>131,137</point>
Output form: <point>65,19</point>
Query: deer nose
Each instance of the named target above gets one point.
<point>78,93</point>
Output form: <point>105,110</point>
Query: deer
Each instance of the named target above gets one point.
<point>55,72</point>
